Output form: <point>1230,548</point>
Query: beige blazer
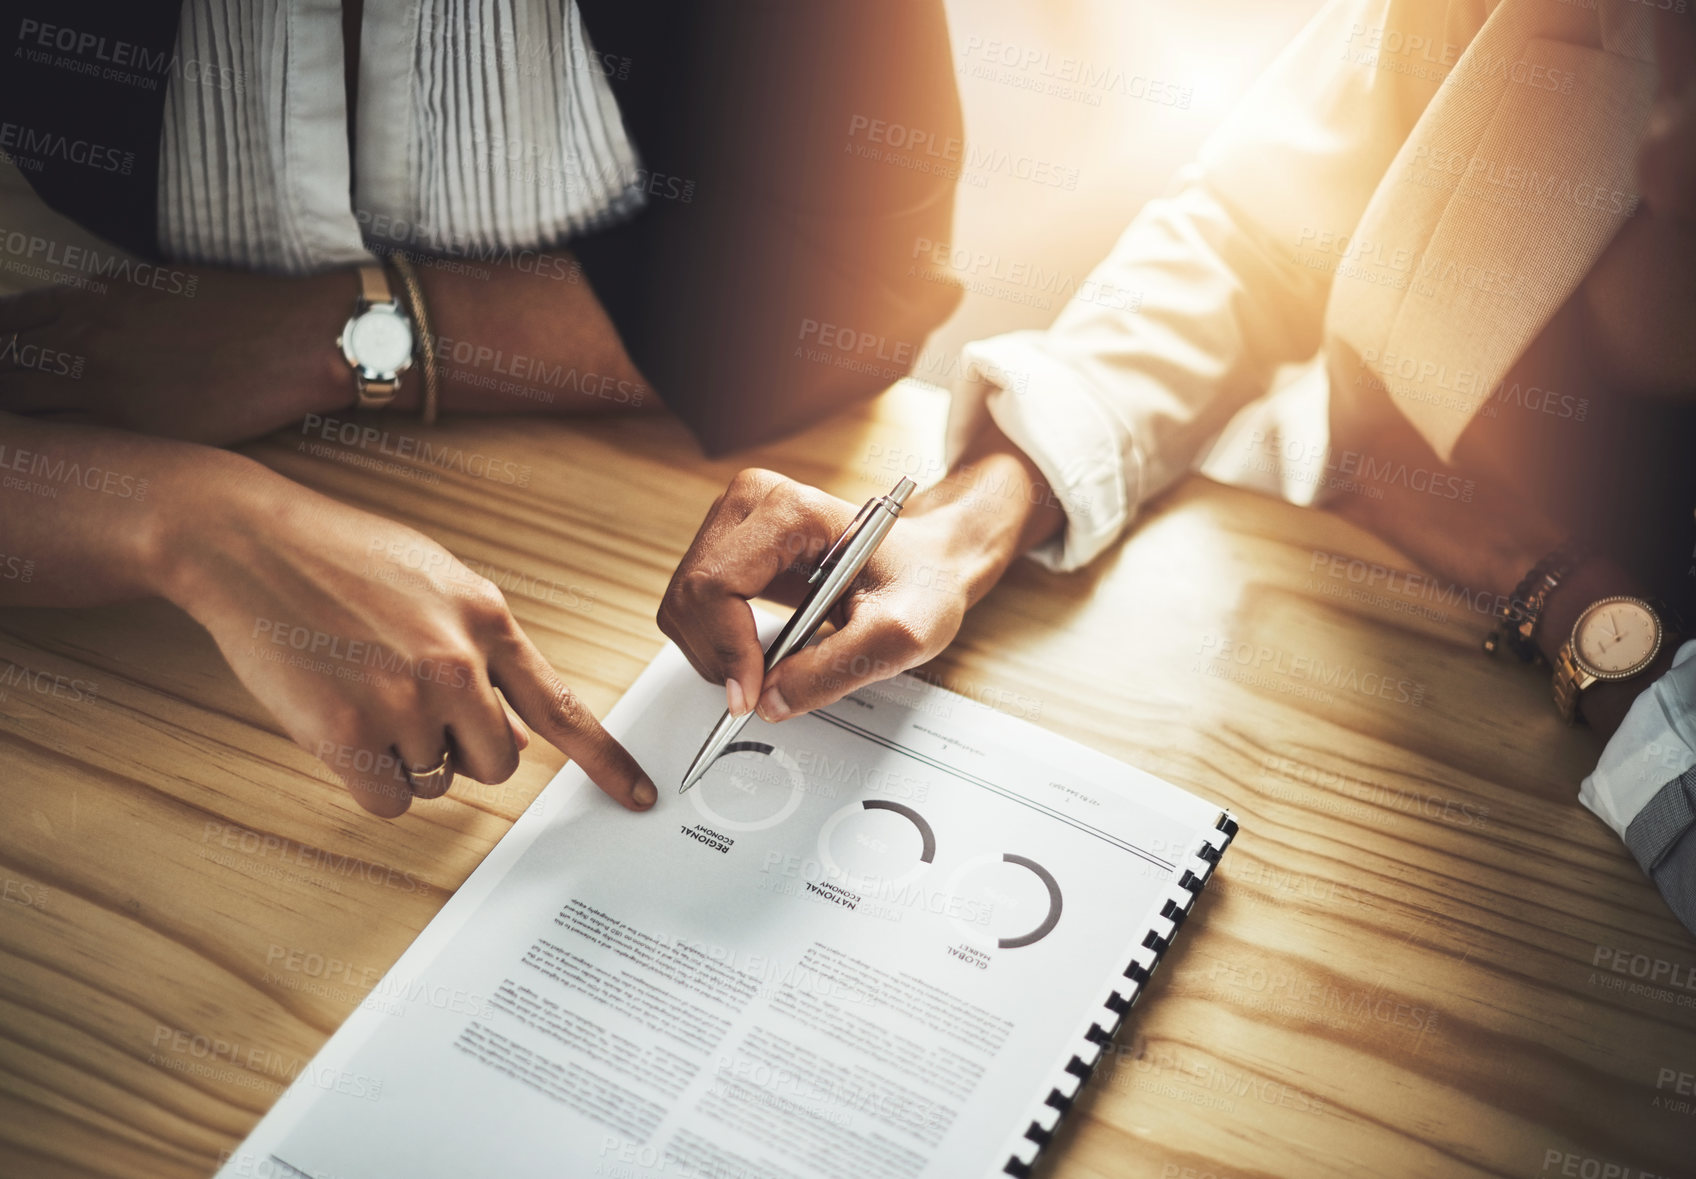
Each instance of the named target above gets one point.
<point>1405,198</point>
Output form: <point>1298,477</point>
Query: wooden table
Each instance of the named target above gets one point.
<point>1406,965</point>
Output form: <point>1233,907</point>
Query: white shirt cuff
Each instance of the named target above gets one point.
<point>1655,744</point>
<point>1093,468</point>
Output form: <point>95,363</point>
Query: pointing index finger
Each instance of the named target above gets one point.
<point>549,706</point>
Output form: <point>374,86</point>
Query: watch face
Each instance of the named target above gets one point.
<point>380,341</point>
<point>1616,637</point>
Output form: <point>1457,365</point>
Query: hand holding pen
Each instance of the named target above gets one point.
<point>766,537</point>
<point>828,584</point>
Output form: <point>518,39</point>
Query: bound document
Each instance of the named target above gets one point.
<point>885,940</point>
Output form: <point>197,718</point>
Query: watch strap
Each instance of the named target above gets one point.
<point>375,394</point>
<point>374,285</point>
<point>1568,682</point>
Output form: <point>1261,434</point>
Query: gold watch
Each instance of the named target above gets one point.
<point>1614,639</point>
<point>377,340</point>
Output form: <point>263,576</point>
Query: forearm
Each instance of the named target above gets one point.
<point>252,353</point>
<point>86,513</point>
<point>367,671</point>
<point>1488,545</point>
<point>1490,551</point>
<point>527,335</point>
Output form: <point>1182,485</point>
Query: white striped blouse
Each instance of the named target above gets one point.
<point>482,124</point>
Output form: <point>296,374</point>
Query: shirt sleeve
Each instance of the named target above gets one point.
<point>1208,291</point>
<point>1644,786</point>
<point>1675,872</point>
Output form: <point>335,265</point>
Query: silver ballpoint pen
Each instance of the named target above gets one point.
<point>836,571</point>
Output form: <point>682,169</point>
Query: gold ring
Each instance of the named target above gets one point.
<point>427,777</point>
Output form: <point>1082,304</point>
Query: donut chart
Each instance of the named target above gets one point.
<point>865,855</point>
<point>928,854</point>
<point>977,880</point>
<point>877,843</point>
<point>1048,923</point>
<point>742,790</point>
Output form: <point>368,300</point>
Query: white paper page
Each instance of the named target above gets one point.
<point>861,947</point>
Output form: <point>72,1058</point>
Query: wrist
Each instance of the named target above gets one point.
<point>975,541</point>
<point>1604,704</point>
<point>332,297</point>
<point>984,518</point>
<point>209,504</point>
<point>1592,579</point>
<point>343,290</point>
<point>994,506</point>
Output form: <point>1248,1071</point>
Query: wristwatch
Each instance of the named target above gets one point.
<point>1614,639</point>
<point>377,340</point>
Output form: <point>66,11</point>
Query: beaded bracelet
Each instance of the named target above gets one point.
<point>1517,618</point>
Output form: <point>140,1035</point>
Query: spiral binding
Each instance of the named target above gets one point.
<point>1123,996</point>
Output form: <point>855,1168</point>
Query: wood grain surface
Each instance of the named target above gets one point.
<point>1405,966</point>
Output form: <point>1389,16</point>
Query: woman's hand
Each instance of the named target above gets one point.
<point>765,533</point>
<point>374,647</point>
<point>236,356</point>
<point>762,537</point>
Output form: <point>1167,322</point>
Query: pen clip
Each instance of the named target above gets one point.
<point>834,552</point>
